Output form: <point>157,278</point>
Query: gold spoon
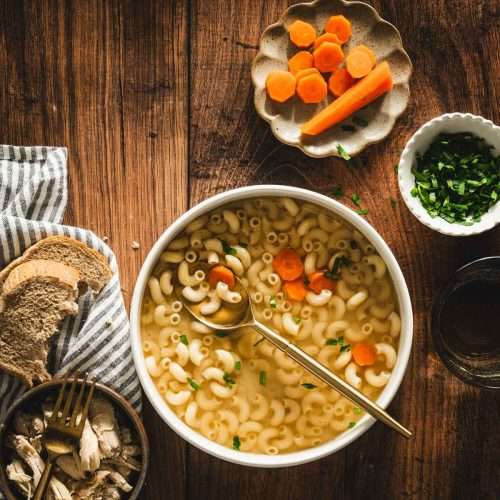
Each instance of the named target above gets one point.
<point>233,316</point>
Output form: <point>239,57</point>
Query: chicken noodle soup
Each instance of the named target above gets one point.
<point>312,278</point>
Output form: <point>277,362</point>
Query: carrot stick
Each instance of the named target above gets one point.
<point>318,281</point>
<point>326,37</point>
<point>301,60</point>
<point>302,34</point>
<point>295,290</point>
<point>288,265</point>
<point>280,85</point>
<point>359,63</point>
<point>220,273</point>
<point>312,88</point>
<point>340,26</point>
<point>340,81</point>
<point>305,72</point>
<point>328,56</point>
<point>364,354</point>
<point>373,85</point>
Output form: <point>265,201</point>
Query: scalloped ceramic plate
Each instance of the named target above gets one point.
<point>286,118</point>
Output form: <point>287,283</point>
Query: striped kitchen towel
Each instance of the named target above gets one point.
<point>33,197</point>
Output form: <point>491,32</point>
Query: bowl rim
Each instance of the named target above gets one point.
<point>471,123</point>
<point>256,459</point>
<point>110,393</point>
<point>299,145</point>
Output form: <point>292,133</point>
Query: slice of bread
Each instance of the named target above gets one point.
<point>35,298</point>
<point>92,266</point>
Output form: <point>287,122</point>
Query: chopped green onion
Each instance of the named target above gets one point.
<point>309,386</point>
<point>184,340</point>
<point>228,379</point>
<point>272,302</point>
<point>236,443</point>
<point>357,410</point>
<point>338,263</point>
<point>237,365</point>
<point>228,249</point>
<point>221,335</point>
<point>345,348</point>
<point>331,342</point>
<point>341,340</point>
<point>342,152</point>
<point>193,384</point>
<point>396,168</point>
<point>297,320</point>
<point>393,203</point>
<point>262,377</point>
<point>356,199</point>
<point>351,425</point>
<point>362,211</point>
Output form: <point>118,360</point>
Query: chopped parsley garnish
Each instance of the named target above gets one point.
<point>396,168</point>
<point>343,153</point>
<point>362,211</point>
<point>351,425</point>
<point>228,379</point>
<point>272,302</point>
<point>393,203</point>
<point>457,178</point>
<point>184,340</point>
<point>309,386</point>
<point>228,248</point>
<point>236,443</point>
<point>262,377</point>
<point>345,348</point>
<point>341,261</point>
<point>332,342</point>
<point>337,191</point>
<point>356,199</point>
<point>193,384</point>
<point>221,335</point>
<point>259,341</point>
<point>237,365</point>
<point>348,128</point>
<point>359,121</point>
<point>297,320</point>
<point>357,410</point>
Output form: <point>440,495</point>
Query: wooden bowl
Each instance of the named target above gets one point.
<point>378,118</point>
<point>39,393</point>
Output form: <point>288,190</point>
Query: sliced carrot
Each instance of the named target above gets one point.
<point>306,72</point>
<point>318,281</point>
<point>364,354</point>
<point>221,273</point>
<point>373,85</point>
<point>326,37</point>
<point>340,26</point>
<point>295,290</point>
<point>312,88</point>
<point>359,62</point>
<point>280,85</point>
<point>301,60</point>
<point>302,34</point>
<point>288,265</point>
<point>369,51</point>
<point>328,56</point>
<point>340,81</point>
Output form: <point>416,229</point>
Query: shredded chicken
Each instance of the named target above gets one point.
<point>89,449</point>
<point>72,466</point>
<point>30,456</point>
<point>17,474</point>
<point>102,417</point>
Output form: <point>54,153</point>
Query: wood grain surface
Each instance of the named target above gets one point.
<point>154,101</point>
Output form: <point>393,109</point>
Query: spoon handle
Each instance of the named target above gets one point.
<point>330,378</point>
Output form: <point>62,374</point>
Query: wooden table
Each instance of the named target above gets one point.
<point>154,101</point>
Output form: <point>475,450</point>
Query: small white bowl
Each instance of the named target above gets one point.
<point>258,459</point>
<point>419,143</point>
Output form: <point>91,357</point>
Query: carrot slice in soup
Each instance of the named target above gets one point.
<point>301,60</point>
<point>328,56</point>
<point>312,88</point>
<point>280,85</point>
<point>365,91</point>
<point>295,290</point>
<point>364,354</point>
<point>288,265</point>
<point>302,34</point>
<point>340,26</point>
<point>340,81</point>
<point>221,273</point>
<point>326,37</point>
<point>318,281</point>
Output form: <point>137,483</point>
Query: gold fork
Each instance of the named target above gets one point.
<point>63,431</point>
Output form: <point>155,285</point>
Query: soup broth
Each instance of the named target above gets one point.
<point>237,389</point>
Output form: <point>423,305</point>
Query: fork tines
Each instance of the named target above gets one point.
<point>65,422</point>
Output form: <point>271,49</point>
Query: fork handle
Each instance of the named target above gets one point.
<point>44,481</point>
<point>323,373</point>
